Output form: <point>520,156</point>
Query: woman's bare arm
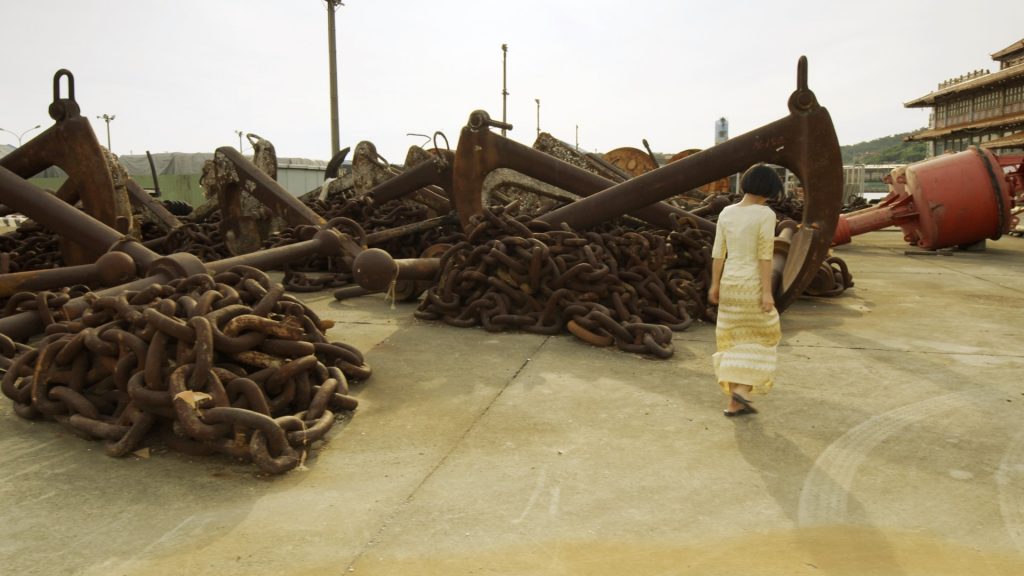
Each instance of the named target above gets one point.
<point>764,269</point>
<point>717,265</point>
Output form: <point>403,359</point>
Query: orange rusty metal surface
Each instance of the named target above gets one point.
<point>631,160</point>
<point>721,186</point>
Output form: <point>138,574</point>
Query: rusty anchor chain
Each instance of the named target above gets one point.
<point>226,363</point>
<point>832,279</point>
<point>30,247</point>
<point>624,287</point>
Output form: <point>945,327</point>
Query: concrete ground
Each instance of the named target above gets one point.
<point>892,444</point>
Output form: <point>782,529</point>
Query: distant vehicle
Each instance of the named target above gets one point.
<point>866,181</point>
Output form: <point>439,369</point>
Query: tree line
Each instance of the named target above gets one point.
<point>885,150</point>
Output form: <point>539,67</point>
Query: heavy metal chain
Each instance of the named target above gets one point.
<point>618,286</point>
<point>832,279</point>
<point>30,247</point>
<point>226,363</point>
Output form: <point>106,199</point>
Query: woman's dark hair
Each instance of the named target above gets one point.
<point>761,180</point>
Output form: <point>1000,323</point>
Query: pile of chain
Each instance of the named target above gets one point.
<point>198,235</point>
<point>316,272</point>
<point>786,207</point>
<point>201,239</point>
<point>855,203</point>
<point>34,247</point>
<point>225,363</point>
<point>45,302</point>
<point>832,279</point>
<point>617,286</point>
<point>30,247</point>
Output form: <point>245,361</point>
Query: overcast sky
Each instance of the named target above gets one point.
<point>184,75</point>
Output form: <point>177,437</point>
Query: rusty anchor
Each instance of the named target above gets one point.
<point>236,176</point>
<point>71,145</point>
<point>804,142</point>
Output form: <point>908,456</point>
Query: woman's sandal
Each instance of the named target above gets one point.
<point>747,407</point>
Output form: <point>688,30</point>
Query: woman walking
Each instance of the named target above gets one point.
<point>747,331</point>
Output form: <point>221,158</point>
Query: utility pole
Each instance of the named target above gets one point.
<point>537,100</point>
<point>108,118</point>
<point>22,135</point>
<point>504,87</point>
<point>577,137</point>
<point>239,132</point>
<point>332,6</point>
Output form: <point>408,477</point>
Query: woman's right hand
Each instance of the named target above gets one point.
<point>713,294</point>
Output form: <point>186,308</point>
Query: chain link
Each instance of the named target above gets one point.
<point>226,363</point>
<point>610,286</point>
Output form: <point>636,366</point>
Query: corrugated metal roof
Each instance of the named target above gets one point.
<point>301,164</point>
<point>968,85</point>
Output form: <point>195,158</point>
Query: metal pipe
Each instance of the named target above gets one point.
<point>111,269</point>
<point>51,212</point>
<point>650,153</point>
<point>152,171</point>
<point>327,242</point>
<point>398,232</point>
<point>375,269</point>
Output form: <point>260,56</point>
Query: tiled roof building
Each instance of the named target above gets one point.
<point>981,108</point>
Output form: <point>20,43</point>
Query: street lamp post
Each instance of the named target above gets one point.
<point>537,100</point>
<point>108,118</point>
<point>22,135</point>
<point>332,6</point>
<point>240,133</point>
<point>504,88</point>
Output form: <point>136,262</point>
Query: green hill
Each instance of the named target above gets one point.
<point>885,150</point>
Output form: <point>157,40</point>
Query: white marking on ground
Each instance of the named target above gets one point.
<point>1010,486</point>
<point>541,479</point>
<point>825,493</point>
